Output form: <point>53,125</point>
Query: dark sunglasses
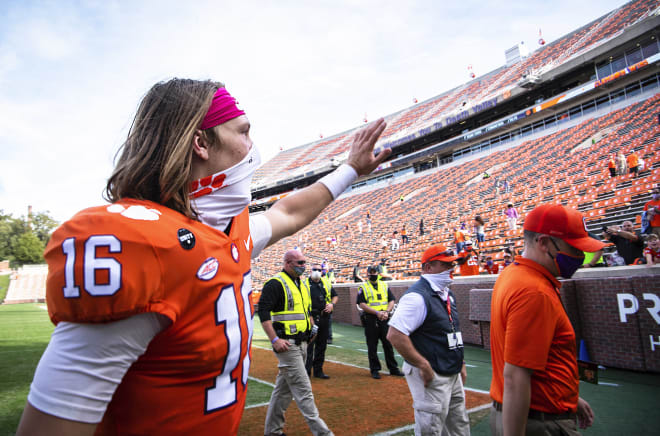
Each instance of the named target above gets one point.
<point>316,269</point>
<point>299,262</point>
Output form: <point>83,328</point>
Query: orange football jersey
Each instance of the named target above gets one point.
<point>114,261</point>
<point>471,266</point>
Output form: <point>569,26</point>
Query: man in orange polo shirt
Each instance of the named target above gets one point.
<point>535,376</point>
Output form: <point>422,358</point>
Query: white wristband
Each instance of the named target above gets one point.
<point>340,179</point>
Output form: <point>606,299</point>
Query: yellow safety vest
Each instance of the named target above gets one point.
<point>376,298</point>
<point>384,272</point>
<point>297,305</point>
<point>326,286</point>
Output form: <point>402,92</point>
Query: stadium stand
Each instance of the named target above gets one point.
<point>562,111</point>
<point>557,167</point>
<point>293,162</point>
<point>27,285</point>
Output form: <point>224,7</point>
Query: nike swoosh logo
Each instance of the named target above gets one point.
<point>247,243</point>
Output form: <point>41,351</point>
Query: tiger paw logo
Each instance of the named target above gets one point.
<point>135,212</point>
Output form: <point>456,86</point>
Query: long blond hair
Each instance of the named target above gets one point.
<point>155,161</point>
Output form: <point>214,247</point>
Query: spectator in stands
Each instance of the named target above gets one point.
<point>652,209</point>
<point>459,239</point>
<point>324,298</point>
<point>404,235</point>
<point>359,225</point>
<point>394,241</point>
<point>357,278</point>
<point>161,328</point>
<point>383,243</point>
<point>479,232</point>
<point>633,162</point>
<point>468,261</point>
<point>611,165</point>
<point>506,262</point>
<point>535,385</point>
<point>425,330</point>
<point>621,165</point>
<point>506,186</point>
<point>376,302</point>
<point>369,221</point>
<point>421,227</point>
<point>511,216</point>
<point>497,187</point>
<point>629,242</point>
<point>652,250</point>
<point>490,266</point>
<point>383,274</point>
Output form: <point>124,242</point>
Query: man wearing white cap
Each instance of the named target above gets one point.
<point>425,330</point>
<point>535,386</point>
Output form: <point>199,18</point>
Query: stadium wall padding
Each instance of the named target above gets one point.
<point>615,311</point>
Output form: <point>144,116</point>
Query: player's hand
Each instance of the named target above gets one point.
<point>281,346</point>
<point>585,414</point>
<point>361,155</point>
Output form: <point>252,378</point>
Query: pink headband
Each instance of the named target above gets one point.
<point>223,108</point>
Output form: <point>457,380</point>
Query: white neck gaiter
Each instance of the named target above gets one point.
<point>440,282</point>
<point>222,196</point>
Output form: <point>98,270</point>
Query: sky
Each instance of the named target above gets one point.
<point>73,72</point>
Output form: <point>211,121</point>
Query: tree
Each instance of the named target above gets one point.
<point>29,249</point>
<point>22,242</point>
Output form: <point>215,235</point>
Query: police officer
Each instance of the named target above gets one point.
<point>284,310</point>
<point>376,303</point>
<point>323,298</point>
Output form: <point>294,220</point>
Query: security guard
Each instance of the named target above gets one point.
<point>284,310</point>
<point>376,303</point>
<point>323,298</point>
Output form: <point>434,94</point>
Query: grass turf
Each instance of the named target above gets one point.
<point>625,405</point>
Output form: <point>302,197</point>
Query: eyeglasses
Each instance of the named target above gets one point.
<point>299,262</point>
<point>316,269</point>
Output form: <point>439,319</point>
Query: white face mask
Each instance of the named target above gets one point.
<point>219,206</point>
<point>315,275</point>
<point>439,281</point>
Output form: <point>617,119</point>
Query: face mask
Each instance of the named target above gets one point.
<point>315,275</point>
<point>439,280</point>
<point>507,262</point>
<point>567,264</point>
<point>219,206</point>
<point>656,196</point>
<point>489,262</point>
<point>373,277</point>
<point>299,270</point>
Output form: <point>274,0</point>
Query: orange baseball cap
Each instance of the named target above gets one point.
<point>564,223</point>
<point>438,252</point>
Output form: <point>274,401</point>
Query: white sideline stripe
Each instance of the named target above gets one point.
<point>367,369</point>
<point>395,431</point>
<point>412,426</point>
<point>608,384</point>
<point>261,381</point>
<point>336,346</point>
<point>257,405</point>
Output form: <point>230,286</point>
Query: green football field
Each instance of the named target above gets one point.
<point>624,402</point>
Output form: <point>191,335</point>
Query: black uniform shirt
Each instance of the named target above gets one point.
<point>317,292</point>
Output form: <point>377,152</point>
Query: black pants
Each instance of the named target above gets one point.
<point>316,349</point>
<point>373,331</point>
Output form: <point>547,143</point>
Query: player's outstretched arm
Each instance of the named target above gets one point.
<point>35,422</point>
<point>295,211</point>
